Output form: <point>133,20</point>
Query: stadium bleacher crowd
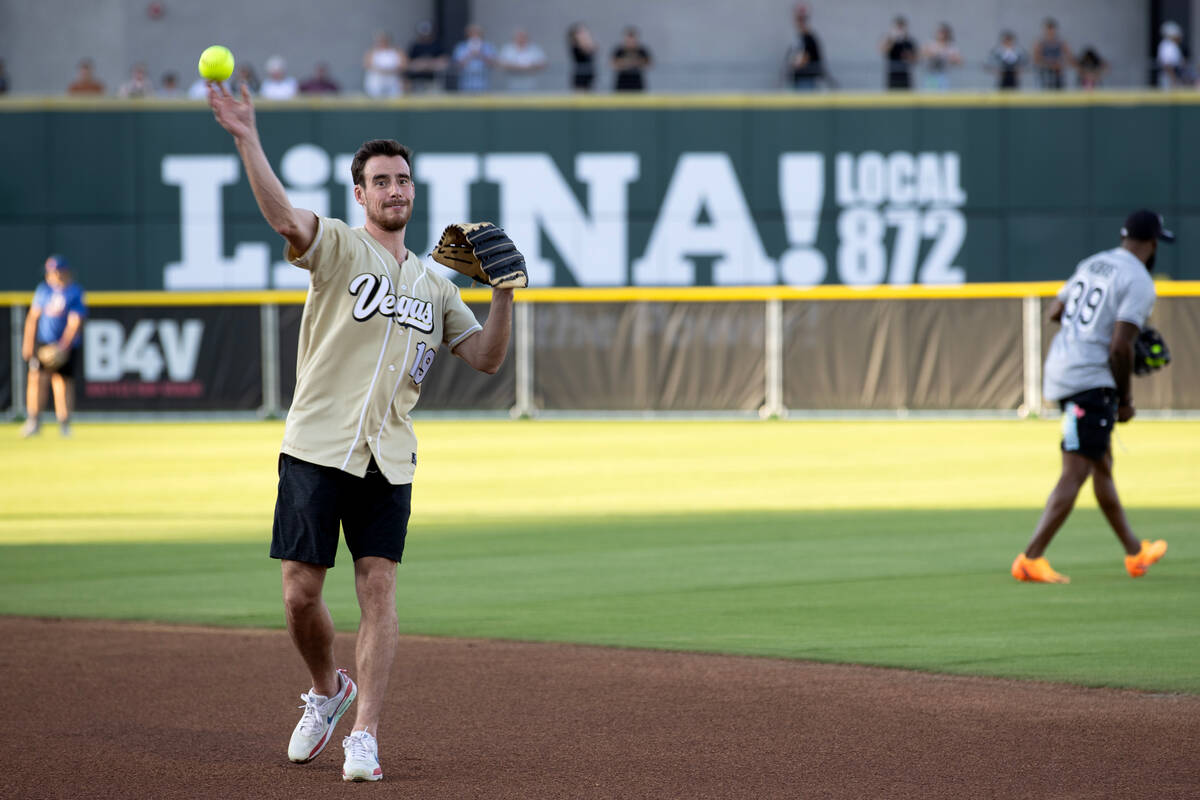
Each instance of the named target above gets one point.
<point>473,63</point>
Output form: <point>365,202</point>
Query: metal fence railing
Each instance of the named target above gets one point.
<point>771,351</point>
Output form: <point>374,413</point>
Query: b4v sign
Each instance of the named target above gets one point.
<point>150,347</point>
<point>896,217</point>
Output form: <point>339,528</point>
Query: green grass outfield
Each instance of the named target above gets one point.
<point>867,542</point>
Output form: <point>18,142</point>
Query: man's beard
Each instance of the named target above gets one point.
<point>389,223</point>
<point>1150,260</point>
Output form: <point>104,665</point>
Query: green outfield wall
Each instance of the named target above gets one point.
<point>861,190</point>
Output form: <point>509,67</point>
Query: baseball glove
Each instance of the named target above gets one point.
<point>484,252</point>
<point>52,356</point>
<point>1149,352</point>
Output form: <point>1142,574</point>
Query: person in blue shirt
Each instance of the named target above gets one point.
<point>474,58</point>
<point>56,319</point>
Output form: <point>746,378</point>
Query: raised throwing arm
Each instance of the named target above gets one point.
<point>297,225</point>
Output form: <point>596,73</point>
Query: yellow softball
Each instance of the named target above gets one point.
<point>216,63</point>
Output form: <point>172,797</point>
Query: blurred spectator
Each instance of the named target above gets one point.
<point>1173,70</point>
<point>473,60</point>
<point>278,85</point>
<point>85,80</point>
<point>55,318</point>
<point>3,78</point>
<point>427,60</point>
<point>138,85</point>
<point>804,56</point>
<point>630,60</point>
<point>939,56</point>
<point>1006,61</point>
<point>521,60</point>
<point>245,76</point>
<point>168,86</point>
<point>583,57</point>
<point>320,82</point>
<point>1051,56</point>
<point>1091,68</point>
<point>899,54</point>
<point>383,66</point>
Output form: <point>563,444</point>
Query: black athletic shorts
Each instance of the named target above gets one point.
<point>313,500</point>
<point>67,370</point>
<point>1088,421</point>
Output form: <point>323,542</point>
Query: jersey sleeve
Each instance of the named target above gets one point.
<point>329,250</point>
<point>76,304</point>
<point>458,320</point>
<point>39,297</point>
<point>1137,301</point>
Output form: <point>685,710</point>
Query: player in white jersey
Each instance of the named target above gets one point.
<point>1088,369</point>
<point>373,320</point>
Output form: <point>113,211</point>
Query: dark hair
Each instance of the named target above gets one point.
<point>377,147</point>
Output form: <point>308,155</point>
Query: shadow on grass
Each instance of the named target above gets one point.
<point>926,589</point>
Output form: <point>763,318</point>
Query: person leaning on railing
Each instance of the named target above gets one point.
<point>804,56</point>
<point>85,82</point>
<point>582,48</point>
<point>899,54</point>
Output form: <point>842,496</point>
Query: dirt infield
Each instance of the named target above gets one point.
<point>101,709</point>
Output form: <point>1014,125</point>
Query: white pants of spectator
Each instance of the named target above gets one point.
<point>378,84</point>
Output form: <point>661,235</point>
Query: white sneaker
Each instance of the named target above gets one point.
<point>321,715</point>
<point>30,428</point>
<point>362,758</point>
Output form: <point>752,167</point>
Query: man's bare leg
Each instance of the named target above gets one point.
<point>310,623</point>
<point>1075,470</point>
<point>1105,488</point>
<point>378,636</point>
<point>37,388</point>
<point>63,397</point>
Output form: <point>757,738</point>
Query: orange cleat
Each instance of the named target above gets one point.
<point>1136,565</point>
<point>1036,570</point>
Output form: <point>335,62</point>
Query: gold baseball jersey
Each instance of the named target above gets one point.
<point>369,336</point>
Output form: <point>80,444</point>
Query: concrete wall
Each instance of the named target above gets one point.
<point>698,44</point>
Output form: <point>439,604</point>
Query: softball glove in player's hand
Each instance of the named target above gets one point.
<point>484,252</point>
<point>51,356</point>
<point>1150,352</point>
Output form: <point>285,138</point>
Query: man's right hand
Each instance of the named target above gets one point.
<point>233,115</point>
<point>1125,412</point>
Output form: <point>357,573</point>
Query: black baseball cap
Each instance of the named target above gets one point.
<point>1146,225</point>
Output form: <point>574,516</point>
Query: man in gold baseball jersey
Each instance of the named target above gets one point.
<point>373,320</point>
